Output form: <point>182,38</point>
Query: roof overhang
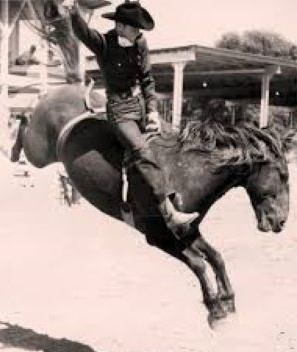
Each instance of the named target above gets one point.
<point>220,73</point>
<point>225,73</point>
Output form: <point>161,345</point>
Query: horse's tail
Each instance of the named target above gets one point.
<point>18,144</point>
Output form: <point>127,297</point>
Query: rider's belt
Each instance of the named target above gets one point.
<point>116,97</point>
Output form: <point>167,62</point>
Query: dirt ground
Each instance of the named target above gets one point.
<point>75,280</point>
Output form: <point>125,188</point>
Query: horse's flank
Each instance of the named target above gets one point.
<point>52,113</point>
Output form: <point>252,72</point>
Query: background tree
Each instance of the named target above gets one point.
<point>259,42</point>
<point>230,40</point>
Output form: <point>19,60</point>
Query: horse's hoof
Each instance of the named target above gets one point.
<point>216,312</point>
<point>214,319</point>
<point>228,304</point>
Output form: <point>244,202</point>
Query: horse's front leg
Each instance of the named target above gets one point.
<point>214,258</point>
<point>194,258</point>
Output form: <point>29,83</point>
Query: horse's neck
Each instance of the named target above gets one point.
<point>190,172</point>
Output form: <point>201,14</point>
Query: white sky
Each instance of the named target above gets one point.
<point>182,22</point>
<point>186,22</point>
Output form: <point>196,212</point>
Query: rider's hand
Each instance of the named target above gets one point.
<point>69,4</point>
<point>153,122</point>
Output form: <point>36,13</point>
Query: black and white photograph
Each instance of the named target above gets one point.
<point>148,162</point>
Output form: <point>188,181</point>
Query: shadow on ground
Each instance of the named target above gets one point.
<point>27,339</point>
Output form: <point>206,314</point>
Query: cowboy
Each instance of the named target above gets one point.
<point>123,57</point>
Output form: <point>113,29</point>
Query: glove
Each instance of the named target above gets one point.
<point>153,122</point>
<point>69,4</point>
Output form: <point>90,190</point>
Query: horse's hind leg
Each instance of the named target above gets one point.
<point>214,258</point>
<point>194,258</point>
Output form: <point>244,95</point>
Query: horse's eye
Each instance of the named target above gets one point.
<point>284,176</point>
<point>268,194</point>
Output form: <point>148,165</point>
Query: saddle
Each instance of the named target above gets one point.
<point>95,105</point>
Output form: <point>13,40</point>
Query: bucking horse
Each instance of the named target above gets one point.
<point>201,164</point>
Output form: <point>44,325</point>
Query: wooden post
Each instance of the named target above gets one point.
<point>15,41</point>
<point>4,106</point>
<point>82,61</point>
<point>264,100</point>
<point>16,18</point>
<point>178,93</point>
<point>291,119</point>
<point>43,68</point>
<point>233,115</point>
<point>82,51</point>
<point>4,51</point>
<point>267,75</point>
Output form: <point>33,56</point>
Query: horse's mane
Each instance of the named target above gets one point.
<point>227,145</point>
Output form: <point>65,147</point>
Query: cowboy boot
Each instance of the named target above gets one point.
<point>178,222</point>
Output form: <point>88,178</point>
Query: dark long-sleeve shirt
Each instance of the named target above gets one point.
<point>122,67</point>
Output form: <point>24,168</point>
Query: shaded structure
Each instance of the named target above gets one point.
<point>201,72</point>
<point>34,80</point>
<point>12,12</point>
<point>188,71</point>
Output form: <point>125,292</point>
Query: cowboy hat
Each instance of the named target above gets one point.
<point>133,14</point>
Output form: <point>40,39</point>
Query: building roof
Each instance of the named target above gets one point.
<point>209,72</point>
<point>27,11</point>
<point>220,73</point>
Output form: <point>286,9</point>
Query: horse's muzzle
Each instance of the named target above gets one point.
<point>267,224</point>
<point>279,226</point>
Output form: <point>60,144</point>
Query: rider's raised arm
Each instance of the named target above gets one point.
<point>91,38</point>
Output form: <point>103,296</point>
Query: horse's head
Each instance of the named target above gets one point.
<point>268,188</point>
<point>51,9</point>
<point>253,158</point>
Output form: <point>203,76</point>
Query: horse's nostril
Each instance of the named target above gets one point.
<point>279,226</point>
